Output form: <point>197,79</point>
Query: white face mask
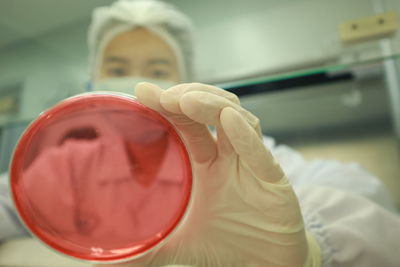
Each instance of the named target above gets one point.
<point>127,84</point>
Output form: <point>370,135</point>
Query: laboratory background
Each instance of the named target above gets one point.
<point>322,76</point>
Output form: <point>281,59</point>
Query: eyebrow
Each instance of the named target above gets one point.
<point>154,61</point>
<point>117,59</point>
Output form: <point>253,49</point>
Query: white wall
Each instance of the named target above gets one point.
<point>244,38</point>
<point>49,69</point>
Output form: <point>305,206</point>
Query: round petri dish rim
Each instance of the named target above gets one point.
<point>45,115</point>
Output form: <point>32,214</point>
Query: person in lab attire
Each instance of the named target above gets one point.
<point>257,203</point>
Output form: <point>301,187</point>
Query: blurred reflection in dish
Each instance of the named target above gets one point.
<point>102,176</point>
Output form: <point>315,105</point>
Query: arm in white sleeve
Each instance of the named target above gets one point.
<point>349,177</point>
<point>347,209</point>
<point>10,226</point>
<point>351,230</point>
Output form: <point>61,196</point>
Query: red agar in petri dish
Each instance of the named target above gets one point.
<point>101,177</point>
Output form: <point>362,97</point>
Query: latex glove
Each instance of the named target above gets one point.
<point>245,212</point>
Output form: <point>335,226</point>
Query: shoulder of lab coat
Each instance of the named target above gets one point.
<point>348,177</point>
<point>351,230</point>
<point>10,226</point>
<point>348,210</point>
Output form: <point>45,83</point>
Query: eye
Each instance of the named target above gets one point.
<point>160,74</point>
<point>117,72</point>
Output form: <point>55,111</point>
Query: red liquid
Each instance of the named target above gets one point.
<point>101,177</point>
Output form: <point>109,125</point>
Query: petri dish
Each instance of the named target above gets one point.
<point>101,177</point>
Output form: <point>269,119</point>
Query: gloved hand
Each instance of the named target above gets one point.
<point>244,212</point>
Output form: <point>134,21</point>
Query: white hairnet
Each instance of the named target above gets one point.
<point>160,18</point>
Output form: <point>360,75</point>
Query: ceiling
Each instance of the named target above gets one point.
<point>25,19</point>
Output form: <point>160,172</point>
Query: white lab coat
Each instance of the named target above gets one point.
<point>10,226</point>
<point>347,209</point>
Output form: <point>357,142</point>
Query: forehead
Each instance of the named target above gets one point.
<point>138,43</point>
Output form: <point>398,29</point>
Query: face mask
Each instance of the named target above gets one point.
<point>127,84</point>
